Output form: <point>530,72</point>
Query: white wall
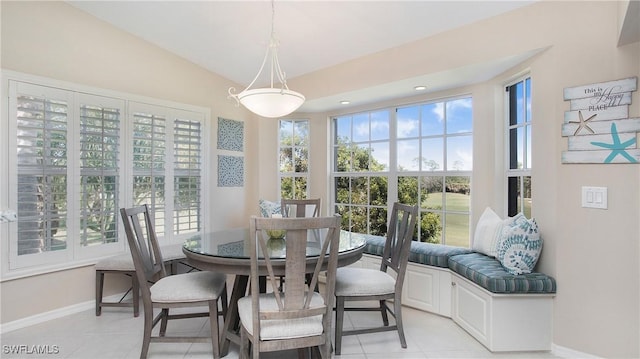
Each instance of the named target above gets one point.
<point>593,254</point>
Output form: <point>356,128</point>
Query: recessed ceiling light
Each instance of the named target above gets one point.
<point>345,102</point>
<point>420,88</point>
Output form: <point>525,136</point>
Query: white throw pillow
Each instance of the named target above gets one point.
<point>268,208</point>
<point>488,230</point>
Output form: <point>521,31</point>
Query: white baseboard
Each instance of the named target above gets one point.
<point>564,352</point>
<point>53,314</point>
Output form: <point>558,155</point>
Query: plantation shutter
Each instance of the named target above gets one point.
<point>100,133</point>
<point>41,132</point>
<point>149,156</point>
<point>187,144</point>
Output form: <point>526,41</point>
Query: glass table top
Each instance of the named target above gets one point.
<point>234,243</point>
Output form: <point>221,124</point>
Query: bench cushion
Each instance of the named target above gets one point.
<point>436,255</point>
<point>488,273</point>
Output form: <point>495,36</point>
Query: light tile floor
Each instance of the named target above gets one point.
<point>117,334</point>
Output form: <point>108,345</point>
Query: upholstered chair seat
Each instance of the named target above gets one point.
<point>188,287</point>
<point>281,328</point>
<point>362,281</point>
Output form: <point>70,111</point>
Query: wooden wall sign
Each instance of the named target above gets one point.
<point>598,126</point>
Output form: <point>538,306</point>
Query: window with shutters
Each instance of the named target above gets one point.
<point>187,148</point>
<point>40,127</point>
<point>99,171</point>
<point>149,156</point>
<point>75,158</point>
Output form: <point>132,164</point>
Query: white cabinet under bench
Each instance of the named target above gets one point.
<point>502,322</point>
<point>425,287</point>
<point>504,312</point>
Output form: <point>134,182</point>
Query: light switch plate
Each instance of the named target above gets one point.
<point>594,197</point>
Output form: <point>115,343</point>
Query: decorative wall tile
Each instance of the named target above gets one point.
<point>232,249</point>
<point>230,171</point>
<point>230,134</point>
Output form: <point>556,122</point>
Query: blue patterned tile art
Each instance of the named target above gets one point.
<point>230,171</point>
<point>232,249</point>
<point>230,134</point>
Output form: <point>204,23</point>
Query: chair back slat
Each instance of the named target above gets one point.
<point>294,297</point>
<point>300,207</point>
<point>400,233</point>
<point>296,252</point>
<point>143,243</point>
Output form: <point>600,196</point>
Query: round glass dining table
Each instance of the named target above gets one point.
<point>226,251</point>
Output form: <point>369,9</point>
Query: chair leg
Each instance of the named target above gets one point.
<point>255,350</point>
<point>148,327</point>
<point>164,320</point>
<point>339,323</point>
<point>325,349</point>
<point>215,332</point>
<point>383,311</point>
<point>225,302</point>
<point>99,287</point>
<point>135,287</point>
<point>244,344</point>
<point>397,310</point>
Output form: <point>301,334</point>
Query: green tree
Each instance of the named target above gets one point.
<point>430,225</point>
<point>371,192</point>
<point>294,158</point>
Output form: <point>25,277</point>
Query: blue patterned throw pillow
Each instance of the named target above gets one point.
<point>268,208</point>
<point>520,247</point>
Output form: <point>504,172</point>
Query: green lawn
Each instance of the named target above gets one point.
<point>457,225</point>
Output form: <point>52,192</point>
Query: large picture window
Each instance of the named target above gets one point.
<point>419,154</point>
<point>75,158</point>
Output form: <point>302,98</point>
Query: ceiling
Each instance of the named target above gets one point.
<point>230,37</point>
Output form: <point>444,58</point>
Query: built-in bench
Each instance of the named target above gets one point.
<point>489,274</point>
<point>504,312</point>
<point>436,255</point>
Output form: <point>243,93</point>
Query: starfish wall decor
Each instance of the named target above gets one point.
<point>600,112</point>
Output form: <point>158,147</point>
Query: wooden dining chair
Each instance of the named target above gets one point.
<point>122,264</point>
<point>194,289</point>
<point>294,316</point>
<point>300,207</point>
<point>363,284</point>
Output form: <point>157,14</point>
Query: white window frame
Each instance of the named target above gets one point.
<point>525,171</point>
<point>293,175</point>
<point>352,174</point>
<point>75,255</point>
<point>392,173</point>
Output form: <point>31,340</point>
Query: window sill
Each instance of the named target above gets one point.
<point>9,275</point>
